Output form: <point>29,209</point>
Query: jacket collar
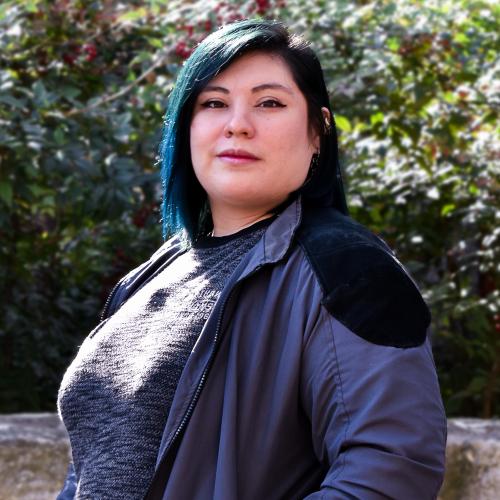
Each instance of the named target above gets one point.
<point>277,238</point>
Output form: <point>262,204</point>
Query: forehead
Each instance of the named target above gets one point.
<point>254,69</point>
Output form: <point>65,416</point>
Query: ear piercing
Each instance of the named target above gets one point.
<point>327,125</point>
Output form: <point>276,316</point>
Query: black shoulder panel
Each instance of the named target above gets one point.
<point>364,285</point>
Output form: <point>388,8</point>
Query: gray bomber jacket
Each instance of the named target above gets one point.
<point>312,378</point>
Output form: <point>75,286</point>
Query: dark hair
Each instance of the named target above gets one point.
<point>185,206</point>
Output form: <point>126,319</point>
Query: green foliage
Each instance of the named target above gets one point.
<point>83,87</point>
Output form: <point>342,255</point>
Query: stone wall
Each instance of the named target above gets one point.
<point>472,460</point>
<point>34,454</point>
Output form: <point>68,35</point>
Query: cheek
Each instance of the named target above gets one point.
<point>195,135</point>
<point>292,145</point>
<point>292,133</point>
<point>198,141</point>
<point>197,148</point>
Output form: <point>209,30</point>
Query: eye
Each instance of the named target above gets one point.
<point>212,104</point>
<point>271,103</point>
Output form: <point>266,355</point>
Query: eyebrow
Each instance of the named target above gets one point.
<point>258,88</point>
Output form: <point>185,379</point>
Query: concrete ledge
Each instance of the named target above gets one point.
<point>34,453</point>
<point>472,460</point>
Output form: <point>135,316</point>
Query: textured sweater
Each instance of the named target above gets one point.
<point>116,395</point>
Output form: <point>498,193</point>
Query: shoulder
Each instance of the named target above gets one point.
<point>364,286</point>
<point>134,279</point>
<point>170,247</point>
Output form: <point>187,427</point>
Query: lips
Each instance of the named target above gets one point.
<point>237,155</point>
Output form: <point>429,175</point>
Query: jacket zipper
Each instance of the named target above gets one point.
<point>108,300</point>
<point>201,383</point>
<point>120,282</point>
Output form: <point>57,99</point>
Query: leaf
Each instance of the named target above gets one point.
<point>448,209</point>
<point>377,118</point>
<point>69,91</point>
<point>461,38</point>
<point>473,189</point>
<point>450,97</point>
<point>393,44</point>
<point>13,101</point>
<point>343,123</point>
<point>38,191</point>
<point>155,42</point>
<point>132,15</point>
<point>6,193</point>
<point>4,9</point>
<point>142,56</point>
<point>42,97</point>
<point>59,136</point>
<point>31,5</point>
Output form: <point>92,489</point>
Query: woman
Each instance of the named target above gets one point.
<point>272,348</point>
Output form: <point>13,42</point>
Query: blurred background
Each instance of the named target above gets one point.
<point>415,88</point>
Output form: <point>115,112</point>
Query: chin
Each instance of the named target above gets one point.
<point>253,194</point>
<point>244,198</point>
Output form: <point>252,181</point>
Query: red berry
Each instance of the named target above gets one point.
<point>69,59</point>
<point>182,50</point>
<point>138,220</point>
<point>91,51</point>
<point>180,47</point>
<point>262,6</point>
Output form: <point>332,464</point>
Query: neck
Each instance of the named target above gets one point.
<point>226,223</point>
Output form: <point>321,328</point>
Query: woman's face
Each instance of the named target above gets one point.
<point>251,143</point>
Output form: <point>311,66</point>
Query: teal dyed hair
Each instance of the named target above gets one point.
<point>185,208</point>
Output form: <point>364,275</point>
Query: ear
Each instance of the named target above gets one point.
<point>327,119</point>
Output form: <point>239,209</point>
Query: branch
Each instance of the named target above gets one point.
<point>120,93</point>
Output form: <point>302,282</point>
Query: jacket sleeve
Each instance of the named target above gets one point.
<point>377,419</point>
<point>69,489</point>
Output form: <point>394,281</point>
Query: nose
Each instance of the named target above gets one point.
<point>239,123</point>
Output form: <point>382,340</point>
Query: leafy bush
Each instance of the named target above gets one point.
<point>83,87</point>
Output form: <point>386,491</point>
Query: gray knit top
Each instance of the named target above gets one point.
<point>115,396</point>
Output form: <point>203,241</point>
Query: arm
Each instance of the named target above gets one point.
<point>69,488</point>
<point>378,423</point>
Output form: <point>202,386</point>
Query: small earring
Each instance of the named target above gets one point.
<point>313,166</point>
<point>327,125</point>
<point>314,161</point>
